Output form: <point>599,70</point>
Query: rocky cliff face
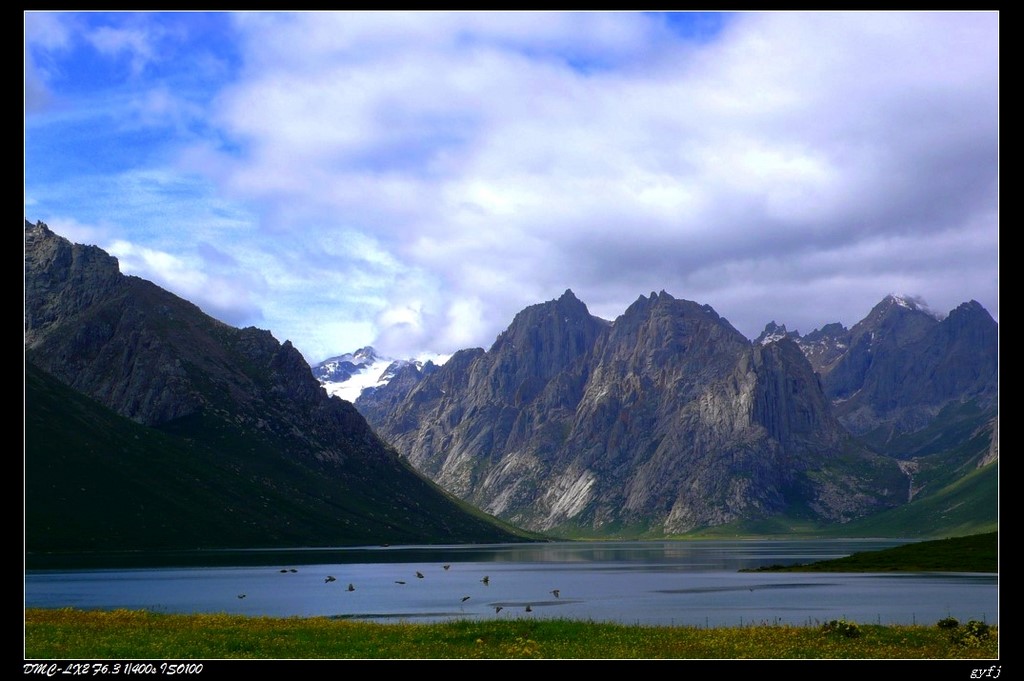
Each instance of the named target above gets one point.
<point>158,360</point>
<point>665,420</point>
<point>825,346</point>
<point>102,333</point>
<point>900,365</point>
<point>903,366</point>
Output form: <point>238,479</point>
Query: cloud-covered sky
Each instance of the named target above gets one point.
<point>412,180</point>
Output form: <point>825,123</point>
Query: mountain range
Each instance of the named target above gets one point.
<point>149,424</point>
<point>667,420</point>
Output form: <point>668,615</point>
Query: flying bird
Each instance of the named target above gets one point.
<point>398,581</point>
<point>330,578</point>
<point>465,598</point>
<point>446,566</point>
<point>419,574</point>
<point>555,592</point>
<point>486,580</point>
<point>241,595</point>
<point>497,609</point>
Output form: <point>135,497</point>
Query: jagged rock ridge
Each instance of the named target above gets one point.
<point>665,420</point>
<point>900,366</point>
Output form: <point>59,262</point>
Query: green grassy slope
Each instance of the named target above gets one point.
<point>967,506</point>
<point>953,496</point>
<point>956,424</point>
<point>974,553</point>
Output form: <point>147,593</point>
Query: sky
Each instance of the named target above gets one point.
<point>412,180</point>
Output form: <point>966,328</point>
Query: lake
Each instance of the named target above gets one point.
<point>693,583</point>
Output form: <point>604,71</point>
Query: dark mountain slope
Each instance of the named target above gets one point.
<point>231,427</point>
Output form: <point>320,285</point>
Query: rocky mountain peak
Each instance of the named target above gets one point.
<point>835,331</point>
<point>366,354</point>
<point>970,323</point>
<point>568,296</point>
<point>773,332</point>
<point>343,367</point>
<point>895,319</point>
<point>662,320</point>
<point>903,365</point>
<point>902,300</point>
<point>62,278</point>
<point>906,302</point>
<point>640,304</point>
<point>825,346</point>
<point>542,340</point>
<point>971,311</point>
<point>788,400</point>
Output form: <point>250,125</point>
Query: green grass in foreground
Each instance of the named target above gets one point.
<point>124,634</point>
<point>974,553</point>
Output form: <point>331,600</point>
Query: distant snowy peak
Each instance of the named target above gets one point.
<point>775,332</point>
<point>822,347</point>
<point>341,368</point>
<point>914,303</point>
<point>825,346</point>
<point>394,367</point>
<point>347,375</point>
<point>904,301</point>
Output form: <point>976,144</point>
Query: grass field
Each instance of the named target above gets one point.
<point>974,553</point>
<point>125,634</point>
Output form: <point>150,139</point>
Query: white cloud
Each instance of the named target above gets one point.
<point>427,175</point>
<point>45,32</point>
<point>48,30</point>
<point>134,42</point>
<point>78,232</point>
<point>223,297</point>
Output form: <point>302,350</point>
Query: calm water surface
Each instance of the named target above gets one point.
<point>652,583</point>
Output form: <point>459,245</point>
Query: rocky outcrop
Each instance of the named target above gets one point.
<point>825,346</point>
<point>993,450</point>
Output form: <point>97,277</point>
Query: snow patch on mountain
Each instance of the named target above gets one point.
<point>904,300</point>
<point>774,332</point>
<point>347,375</point>
<point>912,302</point>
